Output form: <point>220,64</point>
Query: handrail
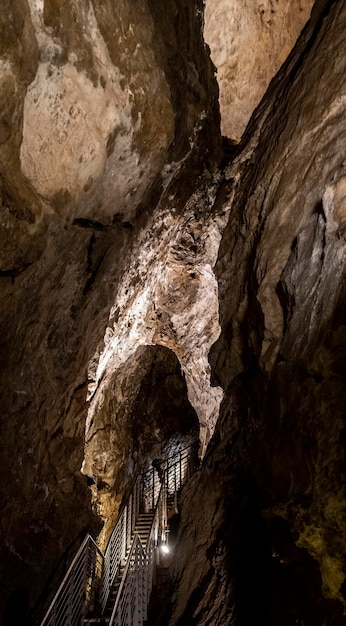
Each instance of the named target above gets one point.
<point>115,552</point>
<point>143,495</point>
<point>155,515</point>
<point>136,541</point>
<point>142,570</point>
<point>149,493</point>
<point>153,538</point>
<point>136,583</point>
<point>170,478</point>
<point>64,599</point>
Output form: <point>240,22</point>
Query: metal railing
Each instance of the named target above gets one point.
<point>143,497</point>
<point>92,573</point>
<point>131,602</point>
<point>75,593</point>
<point>179,468</point>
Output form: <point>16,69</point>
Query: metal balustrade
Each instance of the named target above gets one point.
<point>179,468</point>
<point>143,497</point>
<point>75,593</point>
<point>130,605</point>
<point>92,573</point>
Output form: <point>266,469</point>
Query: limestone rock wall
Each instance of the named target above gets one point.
<point>101,103</point>
<point>249,41</point>
<point>96,75</point>
<point>267,544</point>
<point>144,412</point>
<point>167,290</point>
<point>114,288</point>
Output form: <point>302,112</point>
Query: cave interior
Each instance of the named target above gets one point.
<point>172,272</point>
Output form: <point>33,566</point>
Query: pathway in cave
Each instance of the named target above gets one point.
<point>115,587</point>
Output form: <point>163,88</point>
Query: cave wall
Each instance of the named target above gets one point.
<point>113,208</point>
<point>145,413</point>
<point>93,130</point>
<point>263,524</point>
<point>249,41</point>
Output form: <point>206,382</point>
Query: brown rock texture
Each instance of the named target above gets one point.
<point>96,75</point>
<point>153,287</point>
<point>249,41</point>
<point>266,544</point>
<point>101,107</point>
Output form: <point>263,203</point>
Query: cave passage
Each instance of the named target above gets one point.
<point>172,271</point>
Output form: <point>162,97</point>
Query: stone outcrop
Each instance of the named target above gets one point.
<point>151,287</point>
<point>267,541</point>
<point>249,41</point>
<point>101,107</point>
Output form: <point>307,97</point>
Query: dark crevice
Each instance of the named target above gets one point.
<point>118,219</point>
<point>81,387</point>
<point>83,222</point>
<point>93,265</point>
<point>92,277</point>
<point>14,272</point>
<point>90,250</point>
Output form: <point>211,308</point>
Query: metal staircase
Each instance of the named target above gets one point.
<point>113,589</point>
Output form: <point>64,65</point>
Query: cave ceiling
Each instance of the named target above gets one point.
<point>172,261</point>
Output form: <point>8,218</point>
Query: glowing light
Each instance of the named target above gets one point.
<point>165,548</point>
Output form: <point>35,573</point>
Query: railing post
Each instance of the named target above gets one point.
<point>138,500</point>
<point>124,542</point>
<point>136,582</point>
<point>145,581</point>
<point>69,603</point>
<point>128,621</point>
<point>129,526</point>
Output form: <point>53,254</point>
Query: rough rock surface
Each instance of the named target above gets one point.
<point>268,538</point>
<point>143,413</point>
<point>101,105</point>
<point>166,288</point>
<point>106,116</point>
<point>114,290</point>
<point>249,41</point>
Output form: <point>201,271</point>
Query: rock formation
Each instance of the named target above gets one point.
<point>249,41</point>
<point>269,533</point>
<point>157,282</point>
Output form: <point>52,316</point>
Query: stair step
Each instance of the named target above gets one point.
<point>148,526</point>
<point>143,526</point>
<point>178,468</point>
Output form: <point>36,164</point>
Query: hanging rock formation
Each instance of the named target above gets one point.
<point>153,286</point>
